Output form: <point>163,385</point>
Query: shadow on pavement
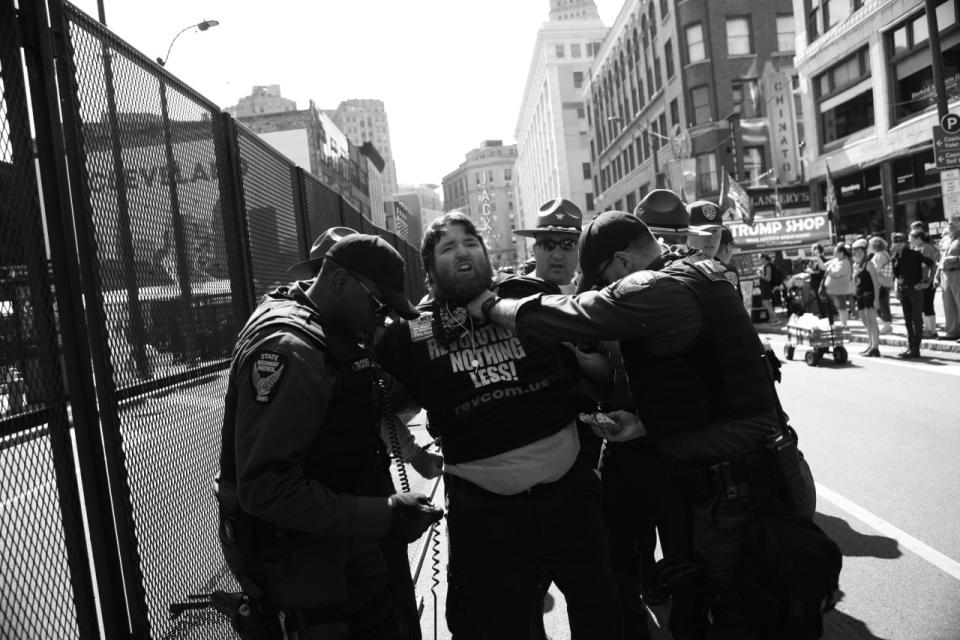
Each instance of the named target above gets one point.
<point>839,626</point>
<point>853,543</point>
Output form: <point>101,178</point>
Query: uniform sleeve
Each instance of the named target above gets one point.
<point>278,420</point>
<point>394,356</point>
<point>659,311</point>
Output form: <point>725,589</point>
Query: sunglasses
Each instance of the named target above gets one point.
<point>566,244</point>
<point>380,309</point>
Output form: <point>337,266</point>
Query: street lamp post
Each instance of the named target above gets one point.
<point>202,26</point>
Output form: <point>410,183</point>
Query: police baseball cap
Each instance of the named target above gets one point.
<point>663,212</point>
<point>309,267</point>
<point>373,257</point>
<point>704,216</point>
<point>555,216</point>
<point>609,232</point>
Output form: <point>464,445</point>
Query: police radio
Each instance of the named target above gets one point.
<point>784,456</point>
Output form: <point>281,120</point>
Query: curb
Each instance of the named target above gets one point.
<point>944,346</point>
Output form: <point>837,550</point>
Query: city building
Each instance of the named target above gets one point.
<point>553,147</point>
<point>424,205</point>
<point>869,105</point>
<point>262,99</point>
<point>366,121</point>
<point>682,92</point>
<point>310,139</point>
<point>483,188</point>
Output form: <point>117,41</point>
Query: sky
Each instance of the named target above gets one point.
<point>451,73</point>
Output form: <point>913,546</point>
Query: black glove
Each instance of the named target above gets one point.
<point>411,514</point>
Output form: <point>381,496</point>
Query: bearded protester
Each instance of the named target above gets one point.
<point>519,506</point>
<point>734,488</point>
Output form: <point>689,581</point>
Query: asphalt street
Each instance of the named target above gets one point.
<point>882,436</point>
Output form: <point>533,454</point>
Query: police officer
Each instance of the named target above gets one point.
<point>702,391</point>
<point>668,219</point>
<point>707,223</point>
<point>300,443</point>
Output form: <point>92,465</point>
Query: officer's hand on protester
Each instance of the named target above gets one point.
<point>475,306</point>
<point>619,426</point>
<point>411,514</point>
<point>429,465</point>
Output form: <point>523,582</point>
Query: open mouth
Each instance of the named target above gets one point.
<point>464,267</point>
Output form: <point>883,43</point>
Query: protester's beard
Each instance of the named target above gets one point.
<point>457,286</point>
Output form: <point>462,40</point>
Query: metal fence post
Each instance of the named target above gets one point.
<point>40,60</point>
<point>232,208</point>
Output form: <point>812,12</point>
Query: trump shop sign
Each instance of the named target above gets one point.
<point>769,233</point>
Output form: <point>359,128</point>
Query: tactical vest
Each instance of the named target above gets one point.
<point>722,374</point>
<point>345,451</point>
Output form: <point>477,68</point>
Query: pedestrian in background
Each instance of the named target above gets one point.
<point>867,283</point>
<point>950,277</point>
<point>767,283</point>
<point>910,267</point>
<point>838,282</point>
<point>930,250</point>
<point>725,252</point>
<point>883,263</point>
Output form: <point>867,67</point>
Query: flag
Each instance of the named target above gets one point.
<point>831,199</point>
<point>735,197</point>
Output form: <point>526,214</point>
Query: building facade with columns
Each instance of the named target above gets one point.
<point>553,150</point>
<point>483,187</point>
<point>681,93</point>
<point>869,104</point>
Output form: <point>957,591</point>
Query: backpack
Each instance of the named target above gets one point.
<point>787,577</point>
<point>776,277</point>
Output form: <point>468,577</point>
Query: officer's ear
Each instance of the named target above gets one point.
<point>625,260</point>
<point>338,280</point>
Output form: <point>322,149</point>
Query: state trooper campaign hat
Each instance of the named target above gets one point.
<point>705,216</point>
<point>309,267</point>
<point>556,216</point>
<point>609,232</point>
<point>663,212</point>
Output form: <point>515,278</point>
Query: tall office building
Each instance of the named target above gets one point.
<point>682,92</point>
<point>366,121</point>
<point>262,99</point>
<point>869,104</point>
<point>483,188</point>
<point>553,150</point>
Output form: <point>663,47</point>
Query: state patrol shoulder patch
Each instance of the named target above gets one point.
<point>632,283</point>
<point>268,367</point>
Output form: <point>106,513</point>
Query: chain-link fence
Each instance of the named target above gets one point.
<point>174,221</point>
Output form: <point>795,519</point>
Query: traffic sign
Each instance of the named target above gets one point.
<point>950,123</point>
<point>950,187</point>
<point>946,148</point>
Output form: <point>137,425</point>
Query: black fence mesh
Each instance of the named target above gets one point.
<point>151,175</point>
<point>45,590</point>
<point>275,238</point>
<point>322,207</point>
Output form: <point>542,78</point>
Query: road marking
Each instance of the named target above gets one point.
<point>928,553</point>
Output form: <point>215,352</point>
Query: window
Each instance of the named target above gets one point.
<point>844,74</point>
<point>590,206</point>
<point>752,163</point>
<point>559,50</point>
<point>708,180</point>
<point>696,49</point>
<point>700,101</point>
<point>490,176</point>
<point>738,36</point>
<point>745,97</point>
<point>663,123</point>
<point>785,33</point>
<point>826,14</point>
<point>674,112</point>
<point>631,202</point>
<point>664,8</point>
<point>586,171</point>
<point>839,121</point>
<point>668,57</point>
<point>577,79</point>
<point>580,112</point>
<point>574,50</point>
<point>507,175</point>
<point>657,76</point>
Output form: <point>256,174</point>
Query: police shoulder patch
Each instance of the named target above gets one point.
<point>632,283</point>
<point>421,328</point>
<point>268,368</point>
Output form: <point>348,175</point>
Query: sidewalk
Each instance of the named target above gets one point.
<point>898,338</point>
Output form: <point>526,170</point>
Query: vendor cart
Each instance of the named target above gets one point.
<point>819,341</point>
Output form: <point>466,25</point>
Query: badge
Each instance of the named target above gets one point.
<point>361,364</point>
<point>709,211</point>
<point>421,328</point>
<point>265,374</point>
<point>637,281</point>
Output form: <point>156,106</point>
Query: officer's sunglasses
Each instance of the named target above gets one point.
<point>380,308</point>
<point>549,245</point>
